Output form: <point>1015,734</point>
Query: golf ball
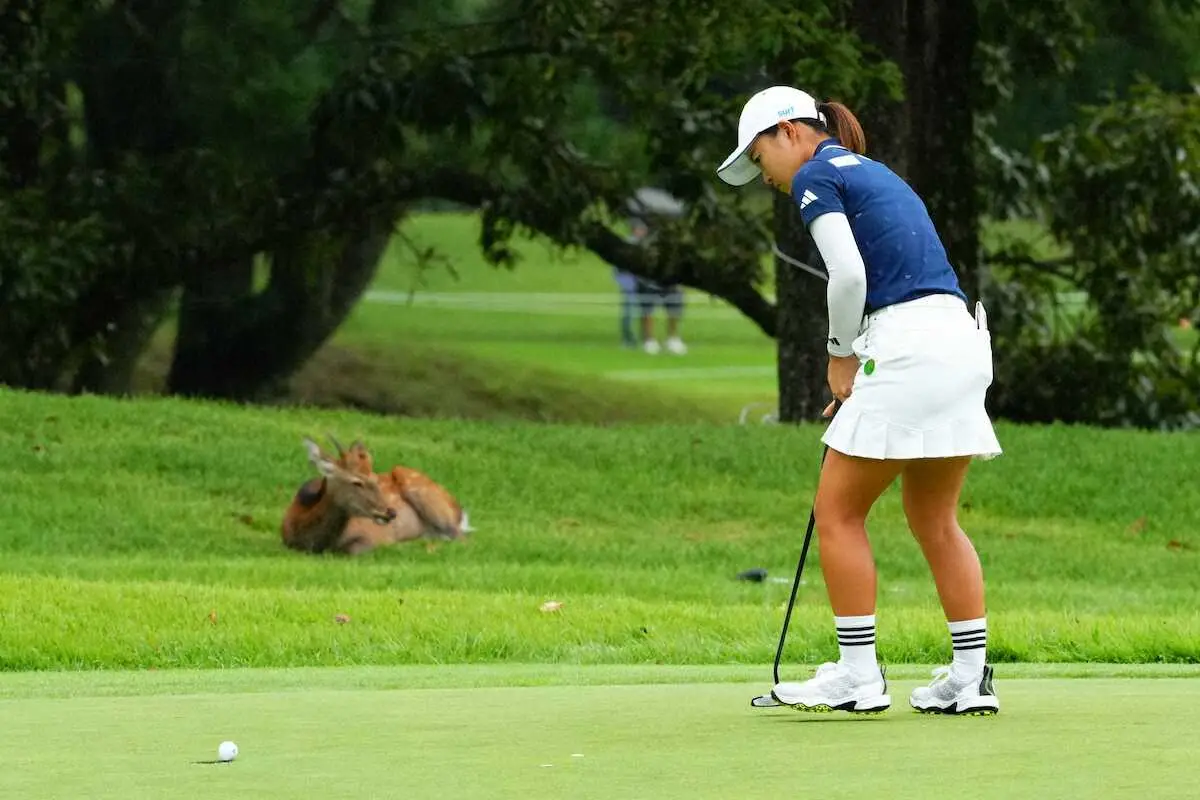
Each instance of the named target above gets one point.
<point>227,751</point>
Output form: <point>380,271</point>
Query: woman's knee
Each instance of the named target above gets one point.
<point>930,496</point>
<point>935,532</point>
<point>933,527</point>
<point>835,520</point>
<point>848,489</point>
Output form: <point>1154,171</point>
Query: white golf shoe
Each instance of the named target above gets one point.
<point>836,687</point>
<point>949,694</point>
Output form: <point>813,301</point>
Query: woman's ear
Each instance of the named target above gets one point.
<point>790,130</point>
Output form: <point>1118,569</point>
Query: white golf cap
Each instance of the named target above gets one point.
<point>764,110</point>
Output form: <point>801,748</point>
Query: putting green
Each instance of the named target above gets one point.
<point>1055,737</point>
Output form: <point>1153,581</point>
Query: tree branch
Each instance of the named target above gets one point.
<point>472,190</point>
<point>1062,267</point>
<point>614,250</point>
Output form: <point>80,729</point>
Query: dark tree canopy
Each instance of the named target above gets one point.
<point>241,167</point>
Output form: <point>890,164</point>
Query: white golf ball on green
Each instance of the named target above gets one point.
<point>227,751</point>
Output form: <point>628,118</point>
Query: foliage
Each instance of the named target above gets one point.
<point>224,134</point>
<point>1106,48</point>
<point>152,149</point>
<point>1120,190</point>
<point>1020,45</point>
<point>1090,333</point>
<point>654,64</point>
<point>45,269</point>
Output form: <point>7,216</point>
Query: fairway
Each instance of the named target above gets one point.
<point>605,732</point>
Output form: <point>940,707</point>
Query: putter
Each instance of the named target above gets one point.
<point>768,700</point>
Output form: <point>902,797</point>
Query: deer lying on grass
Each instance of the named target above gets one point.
<point>350,509</point>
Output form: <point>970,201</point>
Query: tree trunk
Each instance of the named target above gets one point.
<point>111,370</point>
<point>803,320</point>
<point>941,73</point>
<point>213,339</point>
<point>882,24</point>
<point>929,137</point>
<point>240,346</point>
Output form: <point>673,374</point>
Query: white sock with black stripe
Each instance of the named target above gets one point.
<point>856,643</point>
<point>969,638</point>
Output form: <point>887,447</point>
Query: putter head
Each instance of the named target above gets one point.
<point>765,701</point>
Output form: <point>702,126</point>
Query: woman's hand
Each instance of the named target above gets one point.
<point>842,370</point>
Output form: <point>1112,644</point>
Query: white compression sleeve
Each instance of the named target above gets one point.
<point>847,292</point>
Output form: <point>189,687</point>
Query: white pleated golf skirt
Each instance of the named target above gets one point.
<point>925,366</point>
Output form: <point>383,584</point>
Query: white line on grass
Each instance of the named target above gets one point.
<point>541,303</point>
<point>690,373</point>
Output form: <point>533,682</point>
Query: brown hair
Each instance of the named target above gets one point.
<point>841,122</point>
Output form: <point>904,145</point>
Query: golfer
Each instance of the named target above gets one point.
<point>910,365</point>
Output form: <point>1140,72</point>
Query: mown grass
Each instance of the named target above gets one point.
<point>145,533</point>
<point>555,731</point>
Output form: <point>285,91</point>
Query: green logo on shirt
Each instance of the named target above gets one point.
<point>869,367</point>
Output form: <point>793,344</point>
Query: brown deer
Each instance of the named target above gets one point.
<point>316,519</point>
<point>352,510</point>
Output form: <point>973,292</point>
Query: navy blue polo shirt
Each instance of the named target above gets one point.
<point>900,247</point>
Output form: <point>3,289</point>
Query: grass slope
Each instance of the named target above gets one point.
<point>145,534</point>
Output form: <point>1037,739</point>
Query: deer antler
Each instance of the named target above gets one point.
<point>337,444</point>
<point>361,456</point>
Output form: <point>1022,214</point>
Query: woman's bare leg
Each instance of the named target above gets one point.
<point>931,489</point>
<point>848,489</point>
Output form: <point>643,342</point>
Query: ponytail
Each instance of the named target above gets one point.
<point>845,126</point>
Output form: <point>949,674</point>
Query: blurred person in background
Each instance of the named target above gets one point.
<point>627,282</point>
<point>646,203</point>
